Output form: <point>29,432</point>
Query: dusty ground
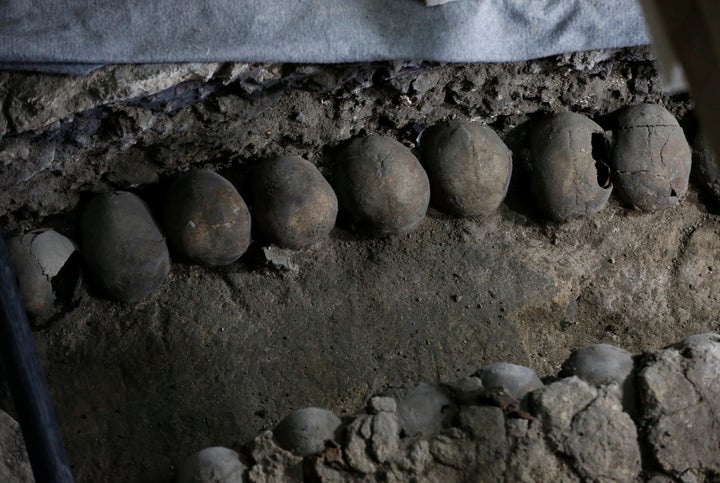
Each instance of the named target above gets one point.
<point>216,355</point>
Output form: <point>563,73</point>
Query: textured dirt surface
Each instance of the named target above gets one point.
<point>217,355</point>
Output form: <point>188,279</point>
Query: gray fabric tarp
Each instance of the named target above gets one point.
<point>120,31</point>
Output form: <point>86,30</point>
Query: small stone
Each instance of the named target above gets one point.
<point>47,267</point>
<point>469,167</point>
<point>206,219</point>
<point>381,186</point>
<point>385,436</point>
<point>570,175</point>
<point>379,403</point>
<point>651,158</point>
<point>467,390</point>
<point>516,380</point>
<point>423,409</point>
<point>212,465</point>
<point>357,444</point>
<point>279,259</point>
<point>305,431</point>
<point>123,250</point>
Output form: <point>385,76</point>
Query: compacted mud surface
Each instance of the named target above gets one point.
<point>217,355</point>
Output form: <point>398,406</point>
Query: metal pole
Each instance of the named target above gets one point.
<point>27,383</point>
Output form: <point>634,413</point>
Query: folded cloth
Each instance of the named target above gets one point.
<point>314,31</point>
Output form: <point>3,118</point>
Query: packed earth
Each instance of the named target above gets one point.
<point>395,288</point>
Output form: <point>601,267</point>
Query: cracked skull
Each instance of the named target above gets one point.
<point>570,176</point>
<point>651,158</point>
<point>48,271</point>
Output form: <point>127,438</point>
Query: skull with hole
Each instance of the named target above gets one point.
<point>570,176</point>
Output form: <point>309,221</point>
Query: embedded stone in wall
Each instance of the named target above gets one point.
<point>680,403</point>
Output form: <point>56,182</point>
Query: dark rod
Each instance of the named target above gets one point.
<point>27,382</point>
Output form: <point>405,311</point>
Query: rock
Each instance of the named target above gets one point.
<point>272,463</point>
<point>570,176</point>
<point>131,169</point>
<point>680,406</point>
<point>357,445</point>
<point>651,158</point>
<point>532,460</point>
<point>557,408</point>
<point>423,409</point>
<point>385,436</point>
<point>697,340</point>
<point>212,465</point>
<point>14,463</point>
<point>206,219</point>
<point>305,431</point>
<point>602,364</point>
<point>279,259</point>
<point>411,460</point>
<point>603,442</point>
<point>469,167</point>
<point>708,166</point>
<point>47,267</point>
<point>21,159</point>
<point>589,427</point>
<point>293,205</point>
<point>486,424</point>
<point>516,380</point>
<point>124,253</point>
<point>39,100</point>
<point>467,390</point>
<point>381,186</point>
<point>378,403</point>
<point>453,449</point>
